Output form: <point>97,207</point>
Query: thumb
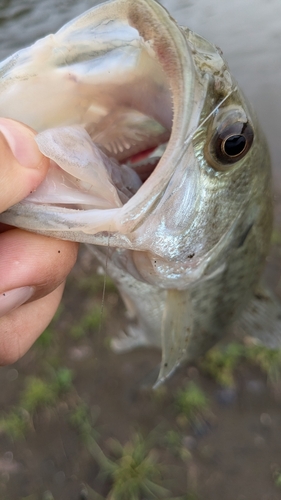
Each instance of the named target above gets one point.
<point>22,165</point>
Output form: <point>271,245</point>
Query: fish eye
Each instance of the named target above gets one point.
<point>234,145</point>
<point>230,143</point>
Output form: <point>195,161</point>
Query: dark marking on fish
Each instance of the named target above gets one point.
<point>244,235</point>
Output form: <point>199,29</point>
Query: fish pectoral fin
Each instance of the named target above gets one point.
<point>261,320</point>
<point>133,338</point>
<point>176,330</point>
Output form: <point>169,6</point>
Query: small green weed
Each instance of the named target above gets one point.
<point>191,402</point>
<point>47,495</point>
<point>220,363</point>
<point>269,360</point>
<point>278,480</point>
<point>135,473</point>
<point>62,380</point>
<point>37,393</point>
<point>14,424</point>
<point>174,442</point>
<point>90,322</point>
<point>82,421</point>
<point>276,474</point>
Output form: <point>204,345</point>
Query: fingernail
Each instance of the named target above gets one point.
<point>21,142</point>
<point>14,298</point>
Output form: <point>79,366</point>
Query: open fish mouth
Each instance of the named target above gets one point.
<point>123,105</point>
<point>110,95</point>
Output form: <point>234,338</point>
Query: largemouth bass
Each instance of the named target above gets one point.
<point>158,161</point>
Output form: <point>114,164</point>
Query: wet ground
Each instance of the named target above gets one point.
<point>71,394</point>
<point>62,406</point>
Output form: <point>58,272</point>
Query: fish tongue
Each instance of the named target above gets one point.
<point>81,174</point>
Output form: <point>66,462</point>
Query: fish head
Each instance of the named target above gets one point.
<point>154,150</point>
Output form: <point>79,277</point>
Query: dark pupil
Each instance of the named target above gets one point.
<point>234,145</point>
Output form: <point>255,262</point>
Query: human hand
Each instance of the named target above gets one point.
<point>33,268</point>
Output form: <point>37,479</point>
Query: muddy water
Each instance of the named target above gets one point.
<point>248,31</point>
